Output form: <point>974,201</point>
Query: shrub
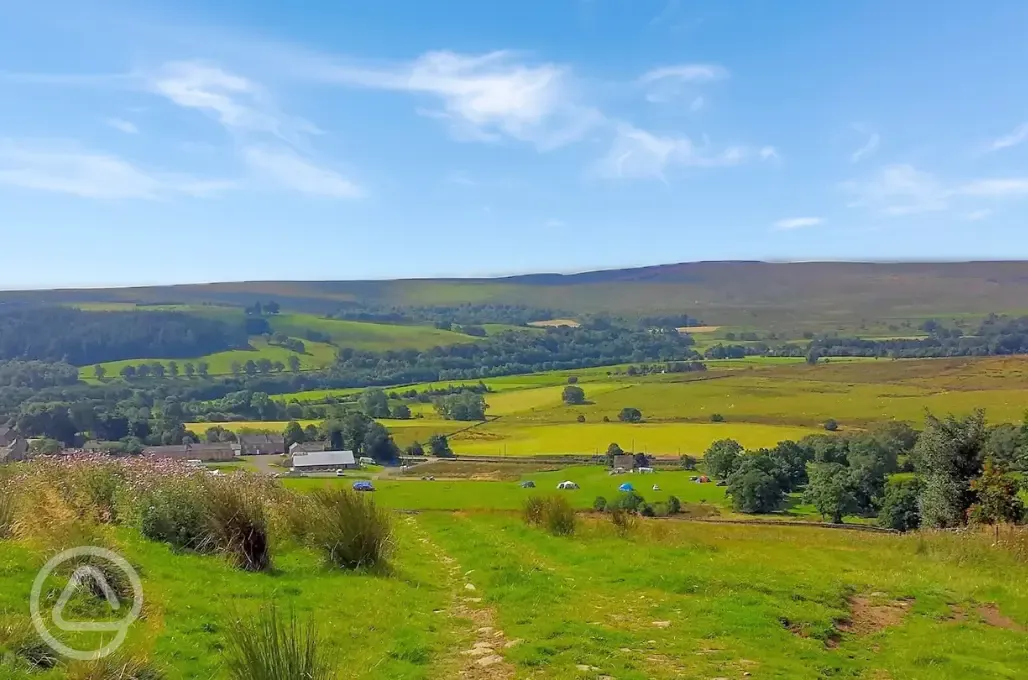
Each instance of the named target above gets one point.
<point>624,521</point>
<point>674,506</point>
<point>552,512</point>
<point>269,647</point>
<point>352,531</point>
<point>606,419</point>
<point>175,513</point>
<point>647,510</point>
<point>831,425</point>
<point>600,504</point>
<point>717,418</point>
<point>630,415</point>
<point>239,523</point>
<point>532,510</point>
<point>628,500</point>
<point>560,517</point>
<point>580,418</point>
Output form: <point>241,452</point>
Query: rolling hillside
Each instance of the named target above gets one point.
<point>769,295</point>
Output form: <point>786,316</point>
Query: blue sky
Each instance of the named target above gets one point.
<point>158,142</point>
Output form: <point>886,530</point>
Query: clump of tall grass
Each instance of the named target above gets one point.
<point>352,531</point>
<point>176,513</point>
<point>238,522</point>
<point>22,640</point>
<point>623,520</point>
<point>118,666</point>
<point>8,501</point>
<point>273,647</point>
<point>554,513</point>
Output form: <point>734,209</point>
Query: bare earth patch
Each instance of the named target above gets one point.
<point>991,614</point>
<point>868,616</point>
<point>698,329</point>
<point>552,323</point>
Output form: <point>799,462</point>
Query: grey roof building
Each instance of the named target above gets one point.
<point>324,460</point>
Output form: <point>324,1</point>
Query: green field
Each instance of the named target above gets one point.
<point>317,355</point>
<point>669,599</point>
<point>367,336</point>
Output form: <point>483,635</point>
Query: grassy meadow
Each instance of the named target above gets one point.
<point>316,355</point>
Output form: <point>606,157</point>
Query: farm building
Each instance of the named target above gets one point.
<point>316,461</point>
<point>306,447</point>
<point>262,444</point>
<point>221,451</point>
<point>625,461</point>
<point>14,451</point>
<point>7,436</point>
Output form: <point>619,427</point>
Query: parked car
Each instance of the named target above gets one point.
<point>363,486</point>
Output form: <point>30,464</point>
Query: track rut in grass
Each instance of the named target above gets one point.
<point>482,654</point>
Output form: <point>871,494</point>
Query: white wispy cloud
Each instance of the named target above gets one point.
<point>898,190</point>
<point>691,73</point>
<point>978,215</point>
<point>1016,137</point>
<point>236,102</point>
<point>869,147</point>
<point>122,125</point>
<point>486,97</point>
<point>768,153</point>
<point>61,167</point>
<point>996,188</point>
<point>668,83</point>
<point>797,223</point>
<point>555,223</point>
<point>289,169</point>
<point>639,154</point>
<point>904,190</point>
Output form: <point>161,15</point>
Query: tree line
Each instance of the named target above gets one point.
<point>80,338</point>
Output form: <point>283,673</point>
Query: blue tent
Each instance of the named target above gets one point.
<point>626,487</point>
<point>363,486</point>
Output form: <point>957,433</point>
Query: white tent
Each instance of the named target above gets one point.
<point>567,485</point>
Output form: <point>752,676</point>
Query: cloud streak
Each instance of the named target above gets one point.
<point>62,168</point>
<point>291,170</point>
<point>868,149</point>
<point>904,190</point>
<point>121,125</point>
<point>1016,137</point>
<point>792,223</point>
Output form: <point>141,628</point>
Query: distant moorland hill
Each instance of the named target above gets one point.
<point>765,294</point>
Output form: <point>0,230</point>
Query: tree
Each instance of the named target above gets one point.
<point>439,446</point>
<point>573,395</point>
<point>717,418</point>
<point>218,433</point>
<point>237,368</point>
<point>997,500</point>
<point>202,368</point>
<point>831,425</point>
<point>264,365</point>
<point>415,449</point>
<point>753,490</point>
<point>572,379</point>
<point>688,462</point>
<point>278,367</point>
<point>311,434</point>
<point>294,434</point>
<point>722,458</point>
<point>272,307</point>
<point>158,370</point>
<point>400,412</point>
<point>374,403</point>
<point>900,508</point>
<point>250,367</point>
<point>99,372</point>
<point>1005,445</point>
<point>949,455</point>
<point>294,363</point>
<point>812,357</point>
<point>173,369</point>
<point>143,370</point>
<point>128,372</point>
<point>189,368</point>
<point>630,415</point>
<point>462,406</point>
<point>613,450</point>
<point>830,491</point>
<point>792,462</point>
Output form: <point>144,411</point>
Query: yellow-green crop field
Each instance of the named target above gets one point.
<point>761,403</point>
<point>368,336</point>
